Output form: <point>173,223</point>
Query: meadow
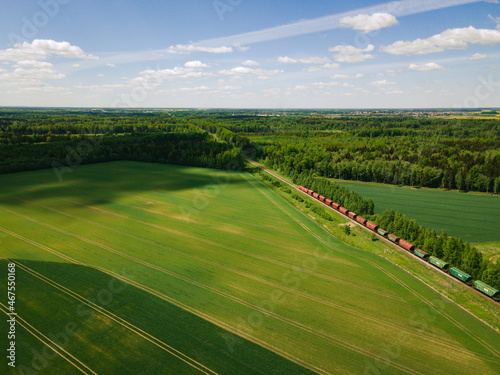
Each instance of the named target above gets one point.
<point>473,217</point>
<point>133,267</point>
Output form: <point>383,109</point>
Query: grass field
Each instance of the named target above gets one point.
<point>134,267</point>
<point>472,217</point>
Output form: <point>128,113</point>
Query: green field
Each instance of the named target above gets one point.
<point>472,217</point>
<point>133,267</point>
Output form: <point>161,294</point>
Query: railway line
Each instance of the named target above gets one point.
<point>371,230</point>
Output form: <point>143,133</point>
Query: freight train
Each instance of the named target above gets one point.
<point>441,264</point>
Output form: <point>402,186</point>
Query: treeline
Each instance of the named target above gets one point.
<point>192,149</point>
<point>472,165</point>
<point>453,250</point>
<point>338,193</point>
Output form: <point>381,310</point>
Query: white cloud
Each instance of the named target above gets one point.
<point>394,92</point>
<point>198,88</point>
<point>478,56</point>
<point>448,39</point>
<point>330,66</point>
<point>351,54</point>
<point>307,60</point>
<point>26,77</point>
<point>196,65</point>
<point>100,88</point>
<point>367,23</point>
<point>34,64</point>
<point>330,22</point>
<point>242,71</point>
<point>153,78</point>
<point>41,49</point>
<point>345,76</point>
<point>188,48</point>
<point>250,63</point>
<point>332,84</point>
<point>75,65</point>
<point>111,65</point>
<point>383,83</point>
<point>44,90</point>
<point>426,67</point>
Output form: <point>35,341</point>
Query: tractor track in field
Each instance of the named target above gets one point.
<point>157,342</point>
<point>463,328</point>
<point>255,256</point>
<point>173,231</point>
<point>198,238</point>
<point>257,308</point>
<point>84,369</point>
<point>175,302</point>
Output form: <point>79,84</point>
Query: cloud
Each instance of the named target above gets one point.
<point>316,68</point>
<point>367,23</point>
<point>153,78</point>
<point>448,39</point>
<point>351,54</point>
<point>188,48</point>
<point>330,66</point>
<point>426,67</point>
<point>26,77</point>
<point>344,76</point>
<point>111,65</point>
<point>41,49</point>
<point>44,90</point>
<point>330,22</point>
<point>382,83</point>
<point>196,65</point>
<point>100,88</point>
<point>307,60</point>
<point>250,63</point>
<point>198,88</point>
<point>332,84</point>
<point>34,64</point>
<point>478,56</point>
<point>242,71</point>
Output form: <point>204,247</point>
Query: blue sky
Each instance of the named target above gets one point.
<point>250,54</point>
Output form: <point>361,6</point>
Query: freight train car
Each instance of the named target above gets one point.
<point>420,253</point>
<point>371,226</point>
<point>382,232</point>
<point>393,238</point>
<point>438,262</point>
<point>406,245</point>
<point>461,275</point>
<point>352,215</point>
<point>343,210</point>
<point>485,288</point>
<point>335,205</point>
<point>361,220</point>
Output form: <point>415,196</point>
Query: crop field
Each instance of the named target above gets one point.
<point>472,217</point>
<point>128,268</point>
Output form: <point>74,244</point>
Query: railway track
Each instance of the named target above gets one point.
<point>370,231</point>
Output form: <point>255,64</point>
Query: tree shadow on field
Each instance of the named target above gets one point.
<point>100,183</point>
<point>199,339</point>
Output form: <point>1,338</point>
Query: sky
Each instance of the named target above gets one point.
<point>250,54</point>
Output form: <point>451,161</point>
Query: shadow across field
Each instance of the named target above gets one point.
<point>195,337</point>
<point>100,183</point>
